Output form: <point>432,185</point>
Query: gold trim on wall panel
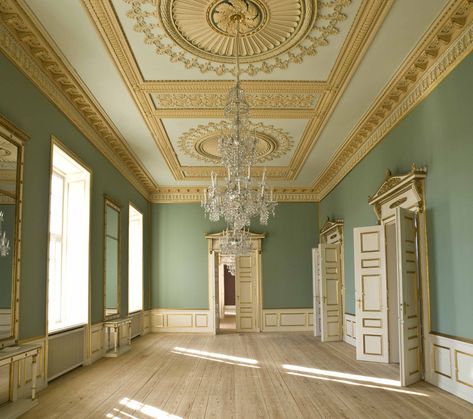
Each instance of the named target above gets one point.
<point>447,43</point>
<point>30,49</point>
<point>457,370</point>
<point>444,335</point>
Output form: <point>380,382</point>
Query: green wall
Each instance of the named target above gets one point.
<point>438,134</point>
<point>24,105</point>
<point>180,259</point>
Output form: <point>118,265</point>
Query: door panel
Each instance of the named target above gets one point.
<point>331,312</point>
<point>371,297</point>
<point>246,294</point>
<point>316,289</point>
<point>409,322</point>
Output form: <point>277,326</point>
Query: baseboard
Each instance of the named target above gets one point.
<point>349,329</point>
<point>180,321</point>
<point>97,342</point>
<point>146,322</point>
<point>449,365</point>
<point>288,320</point>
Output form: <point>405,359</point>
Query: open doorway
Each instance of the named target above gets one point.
<point>390,277</point>
<point>227,318</point>
<point>246,290</point>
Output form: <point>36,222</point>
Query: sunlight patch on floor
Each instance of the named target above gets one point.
<point>215,355</point>
<point>343,375</point>
<point>351,383</point>
<point>209,358</point>
<point>135,406</point>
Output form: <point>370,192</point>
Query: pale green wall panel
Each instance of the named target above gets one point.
<point>23,104</point>
<point>438,134</point>
<point>287,256</point>
<point>180,258</point>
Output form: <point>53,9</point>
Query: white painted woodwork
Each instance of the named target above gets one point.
<point>217,298</point>
<point>408,281</point>
<point>181,321</point>
<point>451,365</point>
<point>330,293</point>
<point>349,329</point>
<point>371,294</point>
<point>288,319</point>
<point>246,294</point>
<point>65,352</point>
<point>316,289</point>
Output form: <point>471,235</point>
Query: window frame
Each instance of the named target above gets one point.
<point>52,170</point>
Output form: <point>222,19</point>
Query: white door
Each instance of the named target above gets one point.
<point>331,311</point>
<point>316,288</point>
<point>215,271</point>
<point>408,282</point>
<point>371,294</point>
<point>246,293</point>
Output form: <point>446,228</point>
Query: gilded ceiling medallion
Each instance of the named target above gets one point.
<point>201,143</point>
<point>200,33</point>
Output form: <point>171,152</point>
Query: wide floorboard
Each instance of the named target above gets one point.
<point>241,376</point>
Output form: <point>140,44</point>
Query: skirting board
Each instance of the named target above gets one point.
<point>349,329</point>
<point>97,342</point>
<point>184,321</point>
<point>449,365</point>
<point>288,320</point>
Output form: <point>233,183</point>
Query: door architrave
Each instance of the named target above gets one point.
<point>408,191</point>
<point>213,243</point>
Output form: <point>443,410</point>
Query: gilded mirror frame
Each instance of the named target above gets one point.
<point>111,203</point>
<point>18,138</point>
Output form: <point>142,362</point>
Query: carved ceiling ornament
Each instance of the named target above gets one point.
<point>201,143</point>
<point>200,34</point>
<point>218,100</point>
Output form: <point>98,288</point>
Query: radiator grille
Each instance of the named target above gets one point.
<point>135,325</point>
<point>65,352</point>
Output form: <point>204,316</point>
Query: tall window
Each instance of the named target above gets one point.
<point>135,262</point>
<point>68,243</point>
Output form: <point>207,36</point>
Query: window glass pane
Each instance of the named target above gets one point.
<point>68,278</point>
<point>135,263</point>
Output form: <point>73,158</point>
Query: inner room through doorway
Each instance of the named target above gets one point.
<point>228,307</point>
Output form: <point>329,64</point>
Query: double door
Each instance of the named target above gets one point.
<point>246,293</point>
<point>388,309</point>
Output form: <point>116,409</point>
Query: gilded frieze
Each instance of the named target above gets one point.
<point>303,101</point>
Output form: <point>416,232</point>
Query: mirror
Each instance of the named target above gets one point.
<point>11,151</point>
<point>112,260</point>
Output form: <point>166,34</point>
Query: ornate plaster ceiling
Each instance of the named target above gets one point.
<point>319,76</point>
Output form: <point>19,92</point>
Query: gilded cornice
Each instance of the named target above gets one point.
<point>174,195</point>
<point>25,45</point>
<point>449,40</point>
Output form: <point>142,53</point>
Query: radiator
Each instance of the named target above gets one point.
<point>65,352</point>
<point>135,325</point>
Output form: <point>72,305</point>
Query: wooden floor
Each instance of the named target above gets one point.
<point>241,376</point>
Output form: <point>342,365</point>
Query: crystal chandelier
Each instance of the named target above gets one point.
<point>4,242</point>
<point>239,198</point>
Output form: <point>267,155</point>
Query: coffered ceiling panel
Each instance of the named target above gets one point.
<point>320,77</point>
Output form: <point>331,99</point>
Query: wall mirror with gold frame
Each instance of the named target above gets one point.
<point>112,272</point>
<point>11,172</point>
